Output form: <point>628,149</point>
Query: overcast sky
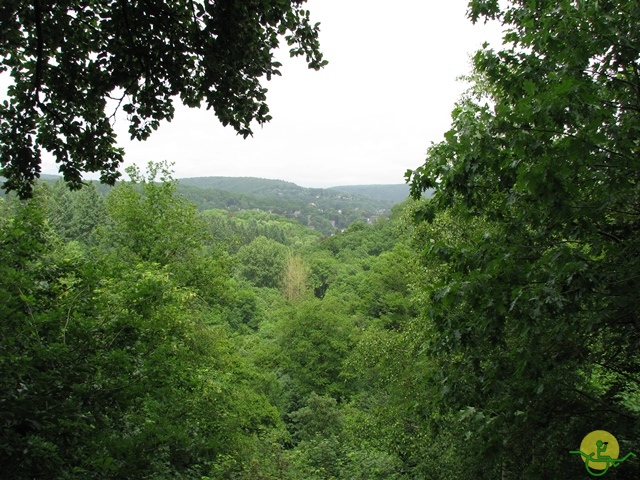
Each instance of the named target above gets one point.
<point>366,118</point>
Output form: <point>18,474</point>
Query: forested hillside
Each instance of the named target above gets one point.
<point>390,193</point>
<point>387,195</point>
<point>325,210</point>
<point>145,339</point>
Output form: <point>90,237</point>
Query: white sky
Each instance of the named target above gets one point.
<point>366,118</point>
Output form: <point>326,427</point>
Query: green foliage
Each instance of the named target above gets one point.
<point>319,417</point>
<point>317,459</point>
<point>66,61</point>
<point>240,228</point>
<point>111,365</point>
<point>361,240</point>
<point>339,267</point>
<point>148,221</point>
<point>531,305</point>
<point>131,352</point>
<point>262,262</point>
<point>485,346</point>
<point>76,215</point>
<point>385,288</point>
<point>315,338</point>
<point>317,429</point>
<point>323,270</point>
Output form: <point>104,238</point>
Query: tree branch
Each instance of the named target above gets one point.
<point>39,49</point>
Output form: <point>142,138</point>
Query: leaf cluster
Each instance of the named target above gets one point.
<point>72,62</point>
<point>530,235</point>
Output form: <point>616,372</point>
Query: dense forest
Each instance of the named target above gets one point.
<point>484,329</point>
<point>143,338</point>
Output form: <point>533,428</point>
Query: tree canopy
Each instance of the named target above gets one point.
<point>75,64</point>
<point>533,307</point>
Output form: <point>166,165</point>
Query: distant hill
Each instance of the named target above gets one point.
<point>323,209</point>
<point>389,195</point>
<point>372,198</point>
<point>49,177</point>
<point>249,185</point>
<point>394,193</point>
